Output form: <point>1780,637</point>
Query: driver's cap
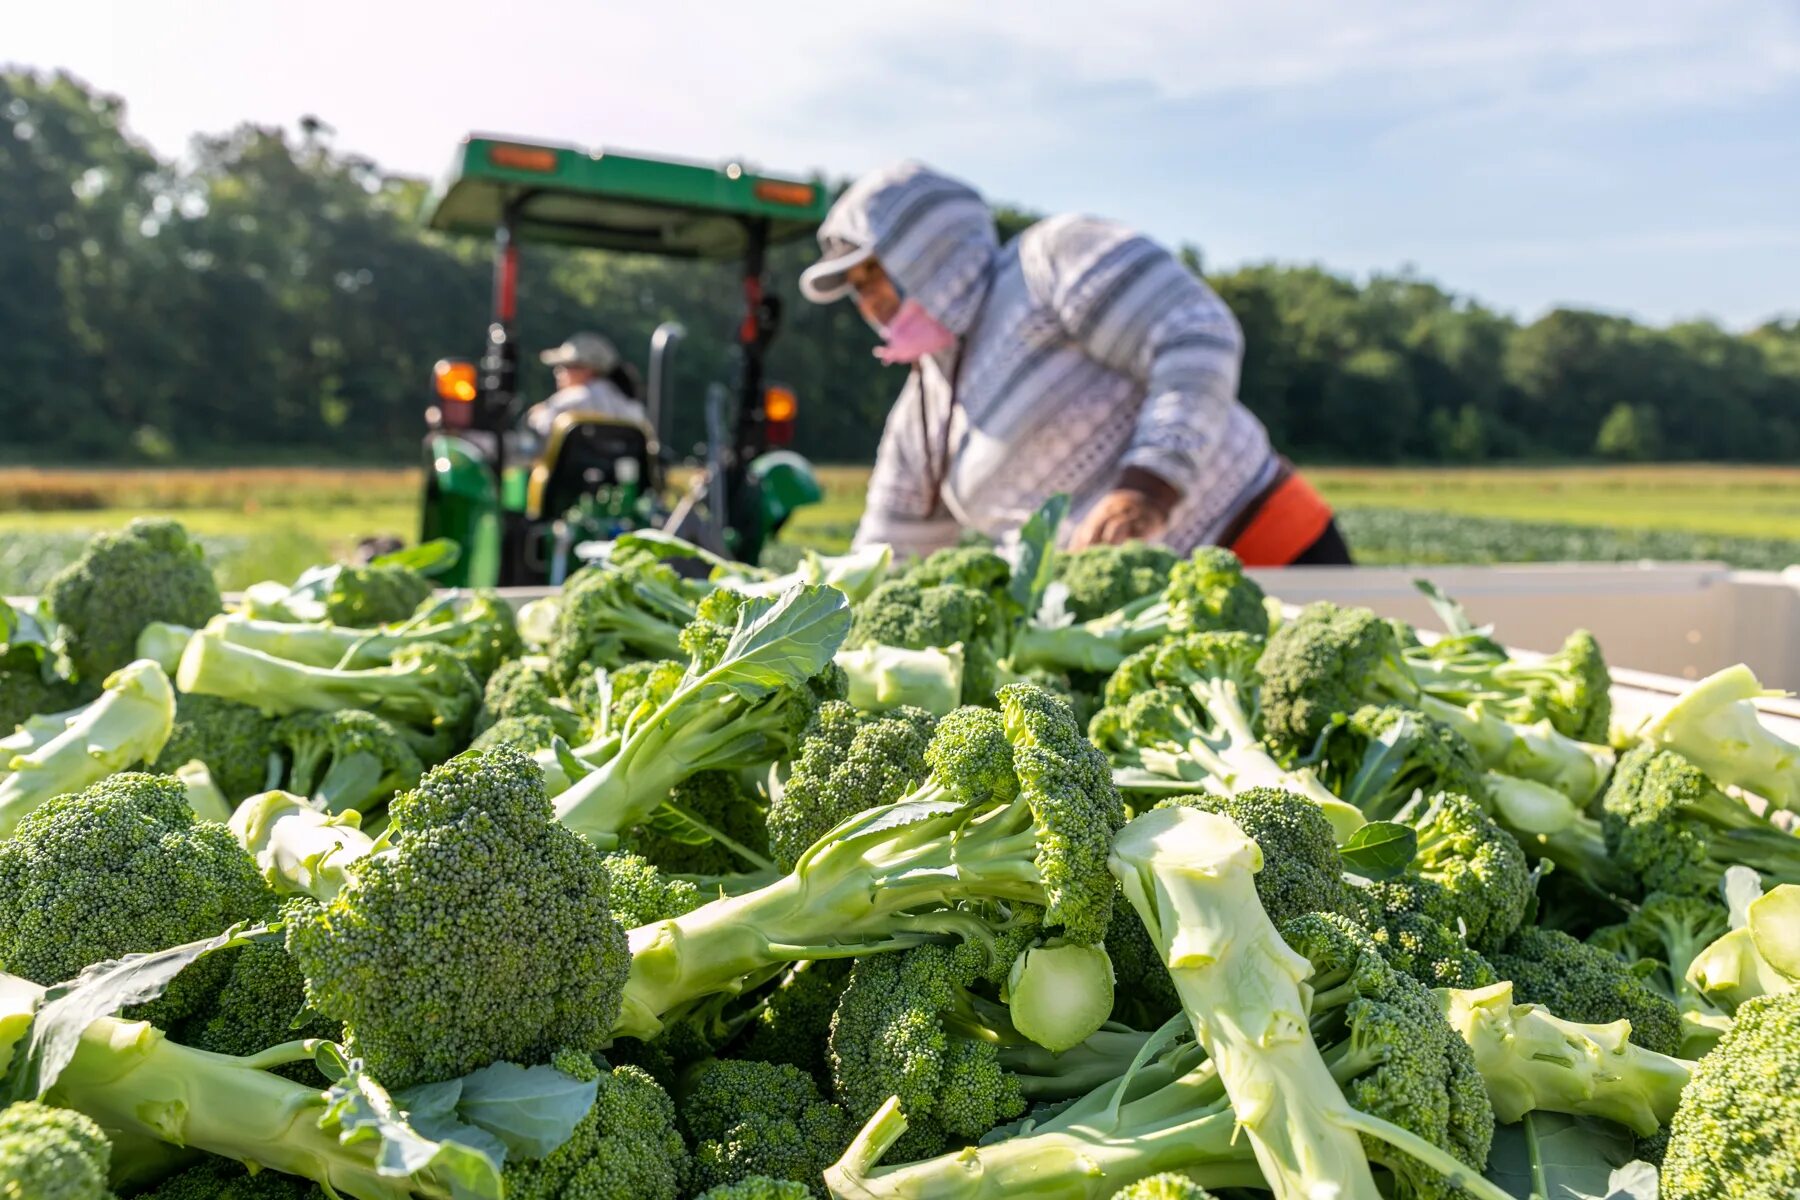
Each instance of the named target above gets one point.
<point>826,280</point>
<point>583,349</point>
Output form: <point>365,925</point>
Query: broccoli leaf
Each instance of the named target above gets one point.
<point>528,1111</point>
<point>1550,1156</point>
<point>1380,850</point>
<point>779,641</point>
<point>1035,561</point>
<point>359,1108</point>
<point>427,558</point>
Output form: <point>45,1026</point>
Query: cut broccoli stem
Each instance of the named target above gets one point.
<point>1715,726</point>
<point>1536,752</point>
<point>299,849</point>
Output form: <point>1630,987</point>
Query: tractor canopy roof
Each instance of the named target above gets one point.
<point>607,200</point>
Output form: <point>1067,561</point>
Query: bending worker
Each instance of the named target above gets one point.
<point>1080,357</point>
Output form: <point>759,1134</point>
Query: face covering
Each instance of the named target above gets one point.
<point>911,335</point>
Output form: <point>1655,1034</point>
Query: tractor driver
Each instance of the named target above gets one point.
<point>588,374</point>
<point>1080,357</point>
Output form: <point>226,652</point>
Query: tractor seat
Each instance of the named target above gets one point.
<point>581,454</point>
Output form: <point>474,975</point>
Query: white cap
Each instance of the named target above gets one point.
<point>826,280</point>
<point>582,350</point>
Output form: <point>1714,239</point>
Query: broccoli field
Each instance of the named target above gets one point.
<point>1096,875</point>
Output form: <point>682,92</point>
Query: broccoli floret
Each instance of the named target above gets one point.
<point>532,734</point>
<point>1382,1084</point>
<point>1423,947</point>
<point>126,726</point>
<point>641,895</point>
<point>1669,824</point>
<point>1166,1186</point>
<point>1668,932</point>
<point>52,1154</point>
<point>1571,688</point>
<point>523,688</point>
<point>1329,660</point>
<point>1739,1121</point>
<point>708,825</point>
<point>847,764</point>
<point>1380,755</point>
<point>148,571</point>
<point>1301,872</point>
<point>1468,873</point>
<point>233,740</point>
<point>613,613</point>
<point>25,693</point>
<point>1715,726</point>
<point>345,761</point>
<point>1019,808</point>
<point>626,1146</point>
<point>1581,982</point>
<point>222,1179</point>
<point>758,1187</point>
<point>793,1024</point>
<point>1103,579</point>
<point>261,1003</point>
<point>483,934</point>
<point>119,868</point>
<point>362,597</point>
<point>907,615</point>
<point>978,567</point>
<point>1532,1060</point>
<point>750,1118</point>
<point>747,694</point>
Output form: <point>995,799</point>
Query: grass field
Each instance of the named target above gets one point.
<point>261,523</point>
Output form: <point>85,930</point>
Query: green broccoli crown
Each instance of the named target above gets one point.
<point>1103,579</point>
<point>611,614</point>
<point>1301,871</point>
<point>639,894</point>
<point>1392,1052</point>
<point>971,758</point>
<point>52,1154</point>
<point>1379,755</point>
<point>345,759</point>
<point>678,838</point>
<point>484,933</point>
<point>363,597</point>
<point>793,1025</point>
<point>704,638</point>
<point>234,740</point>
<point>223,1179</point>
<point>758,1187</point>
<point>1739,1120</point>
<point>1666,822</point>
<point>1209,591</point>
<point>120,868</point>
<point>1661,938</point>
<point>1327,660</point>
<point>752,1118</point>
<point>529,733</point>
<point>1582,982</point>
<point>523,689</point>
<point>1483,884</point>
<point>1075,808</point>
<point>908,1026</point>
<point>1167,1186</point>
<point>25,693</point>
<point>148,571</point>
<point>262,1003</point>
<point>1422,946</point>
<point>1211,658</point>
<point>1158,718</point>
<point>978,567</point>
<point>1579,689</point>
<point>848,763</point>
<point>915,616</point>
<point>627,1144</point>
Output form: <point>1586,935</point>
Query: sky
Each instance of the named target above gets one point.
<point>1639,156</point>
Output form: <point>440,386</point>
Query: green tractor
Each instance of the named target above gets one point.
<point>524,516</point>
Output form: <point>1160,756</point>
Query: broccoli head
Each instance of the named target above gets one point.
<point>627,1145</point>
<point>1324,662</point>
<point>848,763</point>
<point>640,894</point>
<point>120,868</point>
<point>793,1022</point>
<point>348,760</point>
<point>1468,873</point>
<point>51,1153</point>
<point>523,688</point>
<point>1662,938</point>
<point>1380,755</point>
<point>610,614</point>
<point>148,571</point>
<point>234,741</point>
<point>1209,592</point>
<point>366,596</point>
<point>1736,1130</point>
<point>752,1118</point>
<point>758,1187</point>
<point>484,933</point>
<point>1587,983</point>
<point>1103,579</point>
<point>532,734</point>
<point>910,616</point>
<point>25,693</point>
<point>1169,1185</point>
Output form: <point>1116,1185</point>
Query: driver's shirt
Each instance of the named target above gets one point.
<point>595,396</point>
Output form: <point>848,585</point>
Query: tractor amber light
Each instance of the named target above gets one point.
<point>454,380</point>
<point>523,158</point>
<point>780,191</point>
<point>780,404</point>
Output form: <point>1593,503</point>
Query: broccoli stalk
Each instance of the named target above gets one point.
<point>1715,726</point>
<point>1534,1061</point>
<point>482,630</point>
<point>1019,809</point>
<point>1759,956</point>
<point>299,849</point>
<point>127,725</point>
<point>136,1083</point>
<point>742,704</point>
<point>344,761</point>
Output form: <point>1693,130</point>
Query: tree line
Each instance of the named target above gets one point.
<point>270,297</point>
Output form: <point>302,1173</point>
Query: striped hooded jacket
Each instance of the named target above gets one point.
<point>1083,348</point>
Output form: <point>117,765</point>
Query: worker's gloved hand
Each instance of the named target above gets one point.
<point>1137,508</point>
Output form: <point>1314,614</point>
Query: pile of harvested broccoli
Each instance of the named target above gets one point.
<point>1103,878</point>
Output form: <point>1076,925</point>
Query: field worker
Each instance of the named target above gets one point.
<point>586,368</point>
<point>1081,357</point>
